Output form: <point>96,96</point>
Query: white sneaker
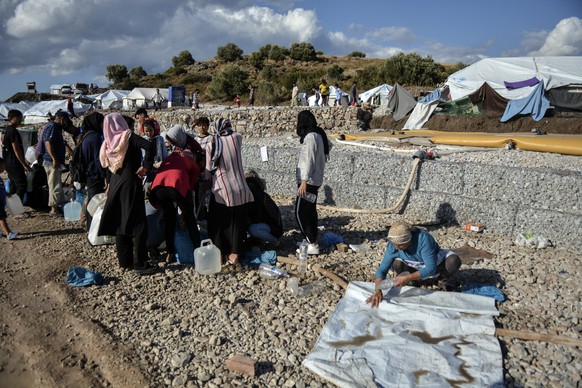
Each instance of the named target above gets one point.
<point>312,249</point>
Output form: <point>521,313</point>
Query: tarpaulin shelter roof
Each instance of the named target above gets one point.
<point>382,90</point>
<point>39,112</point>
<point>400,102</point>
<point>112,99</point>
<point>553,71</point>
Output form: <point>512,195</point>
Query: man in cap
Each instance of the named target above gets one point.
<point>415,251</point>
<point>53,159</point>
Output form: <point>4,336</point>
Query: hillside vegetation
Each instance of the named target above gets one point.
<point>274,69</point>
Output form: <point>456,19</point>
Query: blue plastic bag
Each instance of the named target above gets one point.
<point>184,247</point>
<point>484,290</point>
<point>330,239</point>
<point>81,277</point>
<point>255,259</point>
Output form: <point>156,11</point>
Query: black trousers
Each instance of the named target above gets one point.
<point>167,197</point>
<point>227,226</point>
<point>94,187</point>
<point>306,215</point>
<point>18,182</point>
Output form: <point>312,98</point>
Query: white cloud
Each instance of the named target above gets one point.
<point>564,39</point>
<point>344,45</point>
<point>392,34</point>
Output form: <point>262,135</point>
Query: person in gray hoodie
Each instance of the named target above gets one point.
<point>313,155</point>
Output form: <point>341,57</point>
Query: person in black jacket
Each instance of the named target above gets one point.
<point>266,225</point>
<point>124,213</point>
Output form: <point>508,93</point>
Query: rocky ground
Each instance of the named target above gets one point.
<point>178,328</point>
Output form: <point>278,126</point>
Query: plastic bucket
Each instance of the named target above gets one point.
<point>207,258</point>
<point>72,211</point>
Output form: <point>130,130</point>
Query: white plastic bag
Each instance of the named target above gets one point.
<point>93,237</point>
<point>532,241</point>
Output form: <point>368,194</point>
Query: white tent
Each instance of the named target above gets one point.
<point>141,97</point>
<point>22,106</point>
<point>383,91</point>
<point>554,71</point>
<point>39,112</point>
<point>111,99</point>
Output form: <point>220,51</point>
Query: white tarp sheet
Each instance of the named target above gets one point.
<point>416,338</point>
<point>554,71</point>
<point>38,113</point>
<point>382,90</point>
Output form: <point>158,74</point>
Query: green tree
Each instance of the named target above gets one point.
<point>356,54</point>
<point>412,69</point>
<point>256,60</point>
<point>137,73</point>
<point>269,73</point>
<point>303,52</point>
<point>183,59</point>
<point>117,73</point>
<point>278,53</point>
<point>335,72</point>
<point>229,52</point>
<point>228,83</point>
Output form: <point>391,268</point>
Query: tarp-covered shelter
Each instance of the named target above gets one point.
<point>142,98</point>
<point>555,72</point>
<point>400,102</point>
<point>22,106</point>
<point>111,99</point>
<point>371,95</point>
<point>489,101</point>
<point>39,112</point>
<point>534,105</point>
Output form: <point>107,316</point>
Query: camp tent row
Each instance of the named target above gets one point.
<point>506,87</point>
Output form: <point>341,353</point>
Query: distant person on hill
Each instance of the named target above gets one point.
<point>352,94</point>
<point>13,154</point>
<point>415,251</point>
<point>157,100</point>
<point>324,90</point>
<point>294,94</point>
<point>3,223</point>
<point>252,95</point>
<point>71,107</point>
<point>195,102</point>
<point>237,101</point>
<point>317,96</point>
<point>338,95</point>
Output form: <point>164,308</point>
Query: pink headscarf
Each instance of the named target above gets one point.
<point>116,135</point>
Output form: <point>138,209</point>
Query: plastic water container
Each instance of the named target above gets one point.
<point>207,258</point>
<point>95,202</point>
<point>72,211</point>
<point>14,205</point>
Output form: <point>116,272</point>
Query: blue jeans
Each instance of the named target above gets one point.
<point>262,232</point>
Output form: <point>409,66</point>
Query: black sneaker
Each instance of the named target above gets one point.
<point>146,269</point>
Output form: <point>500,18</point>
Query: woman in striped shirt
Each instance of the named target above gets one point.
<point>228,212</point>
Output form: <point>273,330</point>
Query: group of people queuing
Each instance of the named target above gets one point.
<point>185,170</point>
<point>321,94</point>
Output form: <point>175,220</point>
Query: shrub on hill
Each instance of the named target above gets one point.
<point>228,83</point>
<point>230,52</point>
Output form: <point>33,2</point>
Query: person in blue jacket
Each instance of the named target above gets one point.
<point>415,251</point>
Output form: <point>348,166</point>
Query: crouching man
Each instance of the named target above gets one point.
<point>415,251</point>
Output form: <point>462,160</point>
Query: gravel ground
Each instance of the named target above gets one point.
<point>184,326</point>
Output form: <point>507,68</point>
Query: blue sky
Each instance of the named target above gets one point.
<point>68,41</point>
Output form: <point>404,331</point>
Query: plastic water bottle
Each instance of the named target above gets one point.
<point>387,284</point>
<point>302,267</point>
<point>311,289</point>
<point>267,271</point>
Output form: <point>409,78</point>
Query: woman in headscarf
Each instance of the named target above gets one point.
<point>90,142</point>
<point>228,210</point>
<point>415,251</point>
<point>313,155</point>
<point>172,189</point>
<point>124,213</point>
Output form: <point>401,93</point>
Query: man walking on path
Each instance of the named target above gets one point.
<point>157,100</point>
<point>294,94</point>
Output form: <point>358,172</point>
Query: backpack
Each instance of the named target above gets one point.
<point>76,168</point>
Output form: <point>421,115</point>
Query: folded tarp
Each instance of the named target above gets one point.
<point>400,102</point>
<point>566,99</point>
<point>462,106</point>
<point>415,338</point>
<point>491,102</point>
<point>534,105</point>
<point>521,84</point>
<point>420,114</point>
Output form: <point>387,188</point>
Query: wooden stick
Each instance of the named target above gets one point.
<point>531,336</point>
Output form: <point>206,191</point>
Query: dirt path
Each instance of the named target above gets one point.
<point>44,340</point>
